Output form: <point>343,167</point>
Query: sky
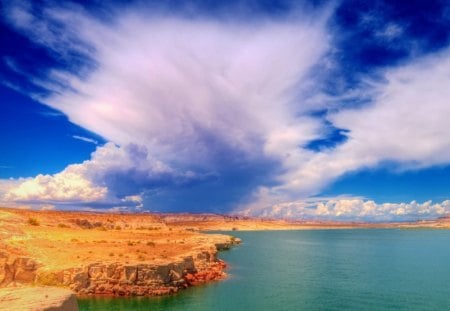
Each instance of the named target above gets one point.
<point>330,110</point>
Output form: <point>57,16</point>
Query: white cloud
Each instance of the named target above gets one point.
<point>350,209</point>
<point>68,185</point>
<point>188,89</point>
<point>178,83</point>
<point>102,181</point>
<point>85,139</point>
<point>407,124</point>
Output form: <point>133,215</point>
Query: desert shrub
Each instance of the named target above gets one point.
<point>129,243</point>
<point>33,221</point>
<point>118,227</point>
<point>97,224</point>
<point>60,225</point>
<point>150,243</point>
<point>83,223</point>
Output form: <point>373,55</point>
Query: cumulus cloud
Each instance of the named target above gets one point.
<point>113,177</point>
<point>351,209</point>
<point>64,186</point>
<point>406,124</point>
<point>200,94</point>
<point>190,98</point>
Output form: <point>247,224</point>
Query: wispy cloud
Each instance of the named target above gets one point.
<point>217,89</point>
<point>192,92</point>
<point>86,139</point>
<point>406,124</point>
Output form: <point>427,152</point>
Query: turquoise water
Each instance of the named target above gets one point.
<point>372,269</point>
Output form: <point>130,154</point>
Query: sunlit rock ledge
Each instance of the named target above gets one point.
<point>106,254</point>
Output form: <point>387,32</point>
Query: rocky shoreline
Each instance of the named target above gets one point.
<point>120,279</point>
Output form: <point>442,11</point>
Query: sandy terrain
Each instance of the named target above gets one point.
<point>130,254</point>
<point>66,239</point>
<point>62,239</point>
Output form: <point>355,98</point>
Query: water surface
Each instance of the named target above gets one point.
<point>370,269</point>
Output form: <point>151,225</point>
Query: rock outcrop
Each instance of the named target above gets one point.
<point>21,270</point>
<point>121,279</point>
<point>37,299</point>
<point>106,254</point>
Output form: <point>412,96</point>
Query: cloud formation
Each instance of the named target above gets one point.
<point>351,209</point>
<point>113,177</point>
<point>200,94</point>
<point>184,99</point>
<point>85,139</point>
<point>405,124</point>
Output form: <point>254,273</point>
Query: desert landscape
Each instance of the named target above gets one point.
<point>104,254</point>
<point>110,254</point>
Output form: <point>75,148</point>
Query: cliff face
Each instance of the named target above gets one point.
<point>21,270</point>
<point>119,279</point>
<point>106,254</point>
<point>137,279</point>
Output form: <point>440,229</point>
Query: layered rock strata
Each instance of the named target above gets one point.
<point>121,279</point>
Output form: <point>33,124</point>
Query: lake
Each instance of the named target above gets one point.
<point>360,269</point>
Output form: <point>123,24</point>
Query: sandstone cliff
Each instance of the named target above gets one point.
<point>91,256</point>
<point>118,278</point>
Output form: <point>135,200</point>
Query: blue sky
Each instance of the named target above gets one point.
<point>314,109</point>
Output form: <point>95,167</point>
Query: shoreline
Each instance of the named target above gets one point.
<point>115,255</point>
<point>106,254</point>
